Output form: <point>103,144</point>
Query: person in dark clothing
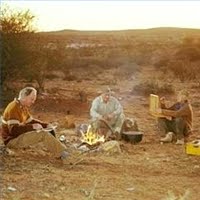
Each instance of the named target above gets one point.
<point>178,121</point>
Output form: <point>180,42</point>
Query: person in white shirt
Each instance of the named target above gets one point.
<point>106,111</point>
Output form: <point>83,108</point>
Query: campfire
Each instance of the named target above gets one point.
<point>91,138</point>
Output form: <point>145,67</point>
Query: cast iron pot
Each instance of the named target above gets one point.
<point>132,136</point>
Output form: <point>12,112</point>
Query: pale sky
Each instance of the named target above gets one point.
<point>110,15</point>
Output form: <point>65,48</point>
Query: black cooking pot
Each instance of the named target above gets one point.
<point>132,136</point>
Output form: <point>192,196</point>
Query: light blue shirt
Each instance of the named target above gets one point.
<point>99,108</point>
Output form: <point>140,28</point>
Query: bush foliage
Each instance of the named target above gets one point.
<point>153,87</point>
<point>184,63</point>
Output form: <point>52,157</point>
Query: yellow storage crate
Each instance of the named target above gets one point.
<point>193,147</point>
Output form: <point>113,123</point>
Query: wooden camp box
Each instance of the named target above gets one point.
<point>154,105</point>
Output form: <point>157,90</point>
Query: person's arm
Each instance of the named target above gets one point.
<point>11,118</point>
<point>36,121</point>
<point>183,111</point>
<point>118,107</point>
<point>162,103</point>
<point>14,125</point>
<point>175,106</point>
<point>18,129</point>
<point>94,110</point>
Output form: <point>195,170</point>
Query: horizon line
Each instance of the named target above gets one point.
<point>88,30</point>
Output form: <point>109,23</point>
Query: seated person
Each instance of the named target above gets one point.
<point>20,130</point>
<point>107,112</point>
<point>178,121</point>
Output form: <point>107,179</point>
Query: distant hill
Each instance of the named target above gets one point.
<point>164,34</point>
<point>163,30</point>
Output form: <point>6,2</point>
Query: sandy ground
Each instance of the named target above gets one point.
<point>145,171</point>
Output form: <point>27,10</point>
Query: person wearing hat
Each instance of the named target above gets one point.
<point>178,121</point>
<point>107,115</point>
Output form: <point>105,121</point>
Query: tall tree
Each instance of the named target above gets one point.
<point>16,27</point>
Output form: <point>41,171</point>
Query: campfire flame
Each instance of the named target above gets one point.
<point>91,138</point>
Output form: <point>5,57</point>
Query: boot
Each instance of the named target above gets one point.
<point>180,141</point>
<point>168,137</point>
